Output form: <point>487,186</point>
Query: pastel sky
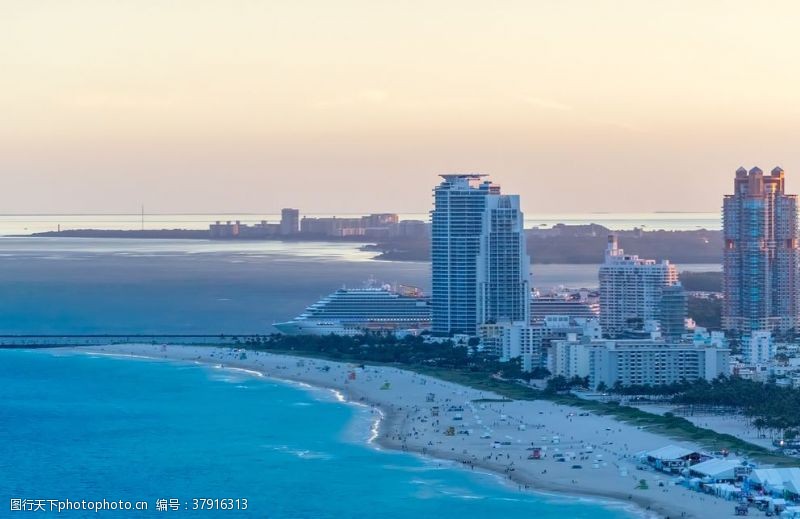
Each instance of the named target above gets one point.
<point>357,105</point>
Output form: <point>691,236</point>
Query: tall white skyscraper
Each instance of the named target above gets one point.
<point>631,289</point>
<point>481,270</point>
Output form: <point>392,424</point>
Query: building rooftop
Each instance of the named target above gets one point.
<point>716,467</point>
<point>670,452</point>
<point>448,176</point>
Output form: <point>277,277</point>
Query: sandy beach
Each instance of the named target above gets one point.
<point>599,453</point>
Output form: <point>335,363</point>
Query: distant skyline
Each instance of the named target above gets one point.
<point>210,106</point>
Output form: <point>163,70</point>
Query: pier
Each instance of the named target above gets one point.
<point>55,341</point>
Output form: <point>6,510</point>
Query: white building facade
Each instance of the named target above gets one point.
<point>759,348</point>
<point>480,267</point>
<point>631,289</point>
<point>637,361</point>
<point>510,340</point>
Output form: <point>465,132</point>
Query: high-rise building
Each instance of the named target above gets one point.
<point>504,290</point>
<point>480,265</point>
<point>631,289</point>
<point>760,262</point>
<point>290,221</point>
<point>674,310</point>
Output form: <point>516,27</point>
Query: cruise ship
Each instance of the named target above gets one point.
<point>352,311</point>
<point>564,302</point>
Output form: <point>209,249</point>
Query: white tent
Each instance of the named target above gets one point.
<point>670,458</point>
<point>670,453</point>
<point>726,490</point>
<point>777,480</point>
<point>716,469</point>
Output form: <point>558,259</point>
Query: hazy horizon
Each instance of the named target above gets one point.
<point>356,106</point>
<point>353,212</point>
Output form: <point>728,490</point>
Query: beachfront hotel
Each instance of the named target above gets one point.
<point>480,267</point>
<point>530,342</point>
<point>760,262</point>
<point>631,290</point>
<point>653,361</point>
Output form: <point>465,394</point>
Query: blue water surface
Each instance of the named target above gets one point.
<point>130,286</point>
<point>91,427</point>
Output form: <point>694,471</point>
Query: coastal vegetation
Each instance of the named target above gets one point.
<point>387,349</point>
<point>767,406</point>
<point>702,281</point>
<point>463,365</point>
<point>584,244</point>
<point>705,311</point>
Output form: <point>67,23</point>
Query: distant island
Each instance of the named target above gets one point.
<point>585,244</point>
<point>181,234</point>
<point>576,244</point>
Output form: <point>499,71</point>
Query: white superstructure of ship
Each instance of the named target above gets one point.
<point>353,311</point>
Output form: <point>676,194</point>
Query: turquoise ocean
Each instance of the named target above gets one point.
<point>93,427</point>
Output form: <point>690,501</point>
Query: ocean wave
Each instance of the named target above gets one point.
<point>305,454</point>
<point>240,370</point>
<point>426,482</point>
<point>460,493</point>
<point>404,468</point>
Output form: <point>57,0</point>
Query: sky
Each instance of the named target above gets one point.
<point>355,106</point>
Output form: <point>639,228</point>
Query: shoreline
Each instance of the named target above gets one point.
<point>397,428</point>
<point>381,249</point>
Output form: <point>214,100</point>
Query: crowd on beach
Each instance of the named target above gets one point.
<point>537,445</point>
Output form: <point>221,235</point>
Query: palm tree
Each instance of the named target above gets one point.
<point>759,424</point>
